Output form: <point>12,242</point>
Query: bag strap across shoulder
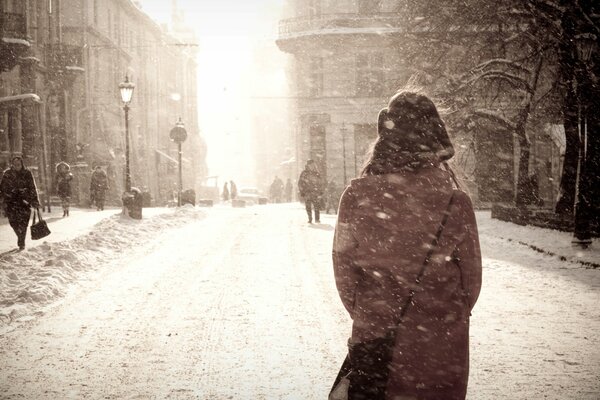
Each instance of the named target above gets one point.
<point>432,248</point>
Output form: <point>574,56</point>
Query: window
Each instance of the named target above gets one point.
<point>315,84</point>
<point>369,74</point>
<point>369,6</point>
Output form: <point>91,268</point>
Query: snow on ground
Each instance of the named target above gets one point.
<point>38,276</point>
<point>242,305</point>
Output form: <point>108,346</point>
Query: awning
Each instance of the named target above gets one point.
<point>21,97</point>
<point>168,157</point>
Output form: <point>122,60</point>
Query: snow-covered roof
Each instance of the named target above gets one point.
<point>74,68</point>
<point>343,31</point>
<point>16,41</point>
<point>21,97</point>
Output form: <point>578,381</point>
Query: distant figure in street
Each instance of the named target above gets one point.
<point>19,193</point>
<point>276,190</point>
<point>310,185</point>
<point>98,187</point>
<point>62,185</point>
<point>332,197</point>
<point>289,189</point>
<point>233,190</point>
<point>406,262</point>
<point>225,193</point>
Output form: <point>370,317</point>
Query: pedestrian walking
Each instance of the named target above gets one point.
<point>19,193</point>
<point>289,189</point>
<point>407,263</point>
<point>233,190</point>
<point>98,187</point>
<point>276,190</point>
<point>62,185</point>
<point>225,193</point>
<point>310,185</point>
<point>332,197</point>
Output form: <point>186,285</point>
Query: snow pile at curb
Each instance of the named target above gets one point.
<point>547,241</point>
<point>38,276</point>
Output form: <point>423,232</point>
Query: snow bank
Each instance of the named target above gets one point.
<point>547,241</point>
<point>36,277</point>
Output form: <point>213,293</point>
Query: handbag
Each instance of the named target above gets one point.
<point>39,229</point>
<point>365,370</point>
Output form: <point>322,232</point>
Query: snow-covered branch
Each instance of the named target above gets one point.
<point>494,116</point>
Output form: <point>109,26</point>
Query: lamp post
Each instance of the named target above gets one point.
<point>178,134</point>
<point>126,89</point>
<point>132,198</point>
<point>343,131</point>
<point>586,46</point>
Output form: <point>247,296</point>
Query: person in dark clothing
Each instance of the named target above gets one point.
<point>62,185</point>
<point>98,187</point>
<point>310,185</point>
<point>409,297</point>
<point>288,190</point>
<point>276,190</point>
<point>332,197</point>
<point>19,193</point>
<point>225,193</point>
<point>232,190</point>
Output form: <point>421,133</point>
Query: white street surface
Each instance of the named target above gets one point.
<point>227,303</point>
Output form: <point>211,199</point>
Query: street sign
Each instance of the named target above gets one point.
<point>178,134</point>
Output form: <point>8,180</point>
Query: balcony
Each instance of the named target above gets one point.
<point>13,39</point>
<point>338,24</point>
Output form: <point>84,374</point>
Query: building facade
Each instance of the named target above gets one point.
<point>344,69</point>
<point>348,61</point>
<point>82,50</point>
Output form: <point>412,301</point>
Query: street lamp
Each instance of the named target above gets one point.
<point>132,199</point>
<point>126,89</point>
<point>178,134</point>
<point>343,131</point>
<point>586,46</point>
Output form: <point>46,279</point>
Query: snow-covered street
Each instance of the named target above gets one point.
<point>226,303</point>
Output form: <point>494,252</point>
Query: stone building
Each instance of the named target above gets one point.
<point>81,50</point>
<point>345,69</point>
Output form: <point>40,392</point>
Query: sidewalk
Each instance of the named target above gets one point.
<point>79,222</point>
<point>551,242</point>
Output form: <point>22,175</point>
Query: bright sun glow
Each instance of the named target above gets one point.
<point>227,31</point>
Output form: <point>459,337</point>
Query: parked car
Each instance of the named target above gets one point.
<point>249,195</point>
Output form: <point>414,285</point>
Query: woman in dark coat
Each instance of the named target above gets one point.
<point>98,187</point>
<point>311,187</point>
<point>20,194</point>
<point>63,185</point>
<point>387,221</point>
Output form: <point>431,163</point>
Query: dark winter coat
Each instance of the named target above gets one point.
<point>310,184</point>
<point>385,226</point>
<point>63,180</point>
<point>98,184</point>
<point>18,190</point>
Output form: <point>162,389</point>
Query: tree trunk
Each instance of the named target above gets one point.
<point>566,199</point>
<point>523,197</point>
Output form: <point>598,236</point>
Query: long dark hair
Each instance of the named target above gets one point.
<point>411,135</point>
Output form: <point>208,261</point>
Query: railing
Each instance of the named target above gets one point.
<point>13,25</point>
<point>60,56</point>
<point>375,23</point>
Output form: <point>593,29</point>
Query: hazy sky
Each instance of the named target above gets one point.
<point>227,31</point>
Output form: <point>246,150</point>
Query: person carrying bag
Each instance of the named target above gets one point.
<point>407,263</point>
